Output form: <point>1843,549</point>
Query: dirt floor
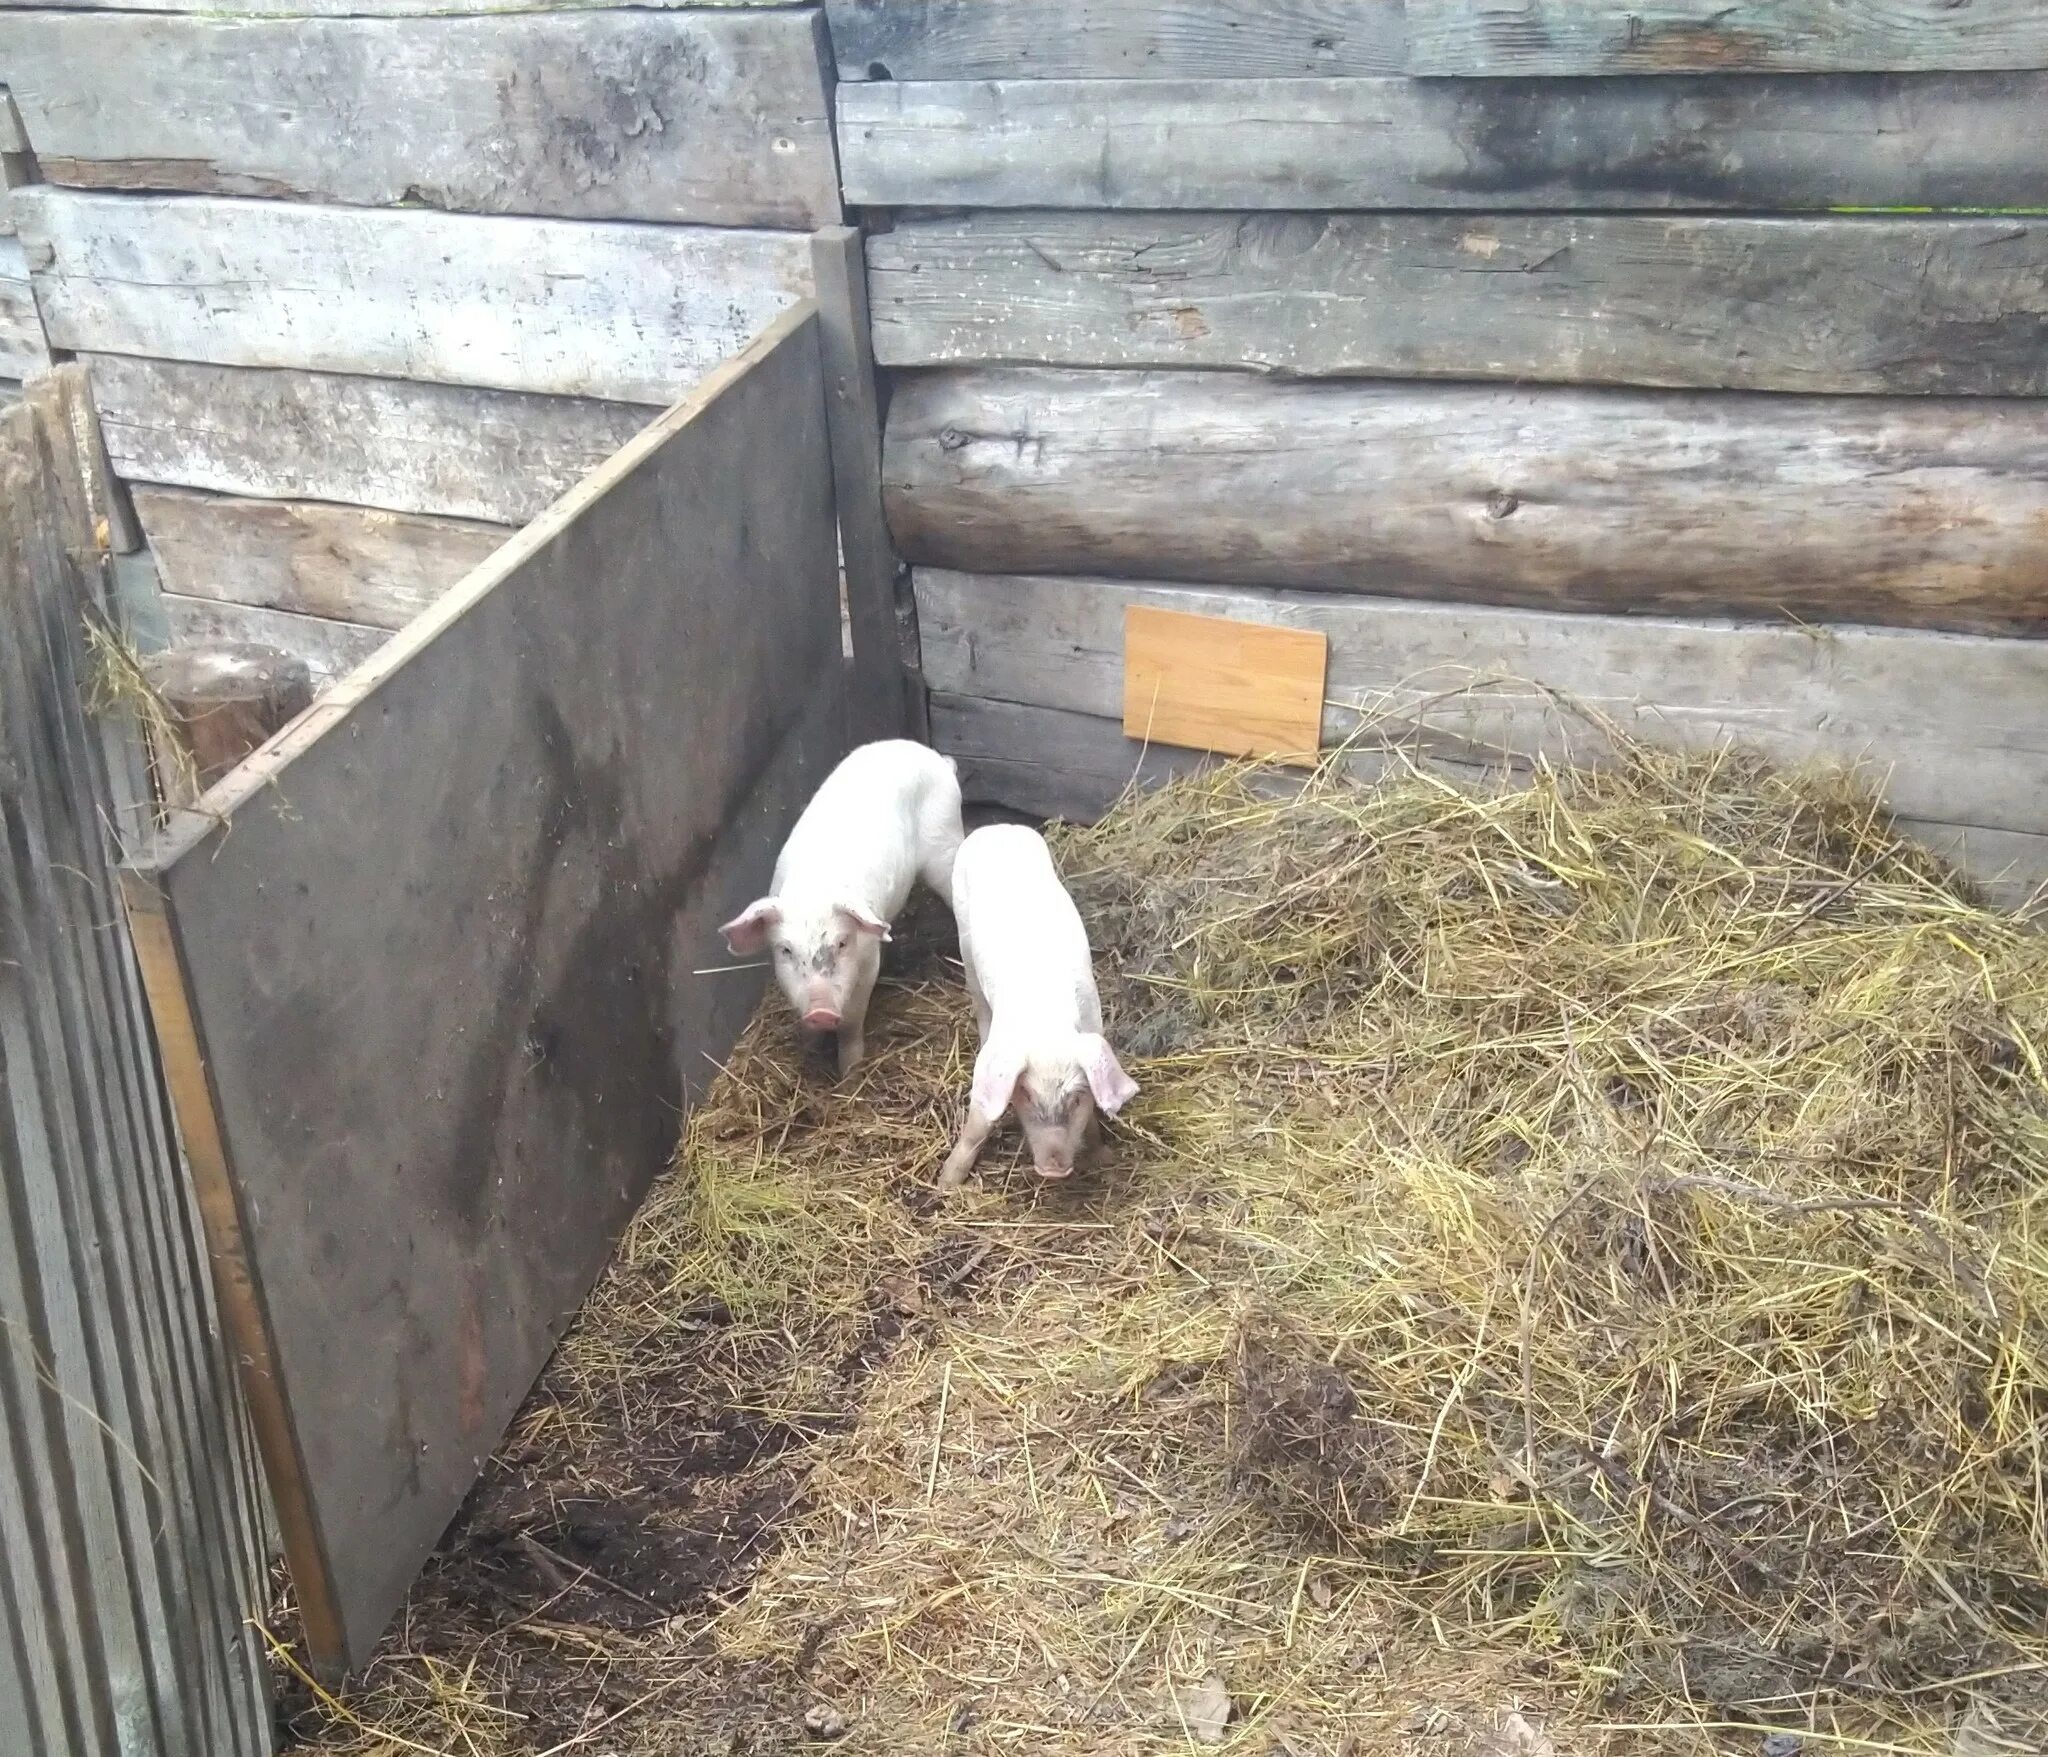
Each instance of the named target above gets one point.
<point>1530,1312</point>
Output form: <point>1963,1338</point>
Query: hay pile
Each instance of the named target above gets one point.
<point>1576,1280</point>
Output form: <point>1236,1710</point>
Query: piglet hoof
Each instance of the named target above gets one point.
<point>852,1052</point>
<point>952,1175</point>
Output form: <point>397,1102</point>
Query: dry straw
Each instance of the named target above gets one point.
<point>1576,1279</point>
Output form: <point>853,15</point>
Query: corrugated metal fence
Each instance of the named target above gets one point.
<point>131,1537</point>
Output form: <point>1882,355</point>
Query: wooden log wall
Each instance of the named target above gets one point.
<point>1686,359</point>
<point>364,286</point>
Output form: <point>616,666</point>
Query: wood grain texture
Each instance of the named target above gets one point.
<point>1730,141</point>
<point>1220,683</point>
<point>904,40</point>
<point>496,455</point>
<point>368,8</point>
<point>347,563</point>
<point>635,697</point>
<point>1917,511</point>
<point>880,694</point>
<point>720,118</point>
<point>1516,38</point>
<point>23,348</point>
<point>1863,305</point>
<point>1958,722</point>
<point>634,313</point>
<point>1054,763</point>
<point>330,648</point>
<point>225,701</point>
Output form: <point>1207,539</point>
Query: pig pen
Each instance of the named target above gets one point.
<point>1573,1282</point>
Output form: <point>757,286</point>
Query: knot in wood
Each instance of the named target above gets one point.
<point>1501,502</point>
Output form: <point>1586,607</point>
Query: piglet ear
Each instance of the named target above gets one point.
<point>747,932</point>
<point>1113,1088</point>
<point>864,920</point>
<point>996,1071</point>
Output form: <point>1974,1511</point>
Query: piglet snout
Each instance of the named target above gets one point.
<point>822,1019</point>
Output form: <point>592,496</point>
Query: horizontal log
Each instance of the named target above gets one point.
<point>381,442</point>
<point>717,118</point>
<point>330,649</point>
<point>1104,39</point>
<point>1959,725</point>
<point>1913,511</point>
<point>1860,305</point>
<point>1052,763</point>
<point>1728,141</point>
<point>346,563</point>
<point>569,308</point>
<point>23,349</point>
<point>1517,38</point>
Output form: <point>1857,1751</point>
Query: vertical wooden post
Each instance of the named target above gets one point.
<point>887,697</point>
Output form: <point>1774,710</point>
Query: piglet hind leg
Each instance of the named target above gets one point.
<point>974,1133</point>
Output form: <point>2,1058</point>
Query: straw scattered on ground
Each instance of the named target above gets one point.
<point>1576,1280</point>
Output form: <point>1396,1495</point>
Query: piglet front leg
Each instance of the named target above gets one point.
<point>974,1134</point>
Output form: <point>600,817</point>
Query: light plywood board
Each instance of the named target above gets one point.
<point>1727,141</point>
<point>350,563</point>
<point>633,313</point>
<point>1865,305</point>
<point>1514,38</point>
<point>495,455</point>
<point>547,792</point>
<point>1952,725</point>
<point>718,118</point>
<point>1225,684</point>
<point>912,40</point>
<point>1914,510</point>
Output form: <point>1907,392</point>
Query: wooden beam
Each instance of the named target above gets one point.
<point>629,312</point>
<point>496,455</point>
<point>880,698</point>
<point>1769,143</point>
<point>1957,306</point>
<point>225,701</point>
<point>347,563</point>
<point>331,649</point>
<point>364,8</point>
<point>1956,722</point>
<point>23,348</point>
<point>904,40</point>
<point>1054,763</point>
<point>1512,39</point>
<point>719,118</point>
<point>1920,512</point>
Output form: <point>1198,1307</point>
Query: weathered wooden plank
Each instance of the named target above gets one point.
<point>1921,511</point>
<point>880,694</point>
<point>348,563</point>
<point>629,312</point>
<point>123,1513</point>
<point>1730,141</point>
<point>884,40</point>
<point>1852,305</point>
<point>370,8</point>
<point>331,649</point>
<point>1054,763</point>
<point>496,455</point>
<point>1516,38</point>
<point>23,349</point>
<point>1957,721</point>
<point>636,695</point>
<point>721,118</point>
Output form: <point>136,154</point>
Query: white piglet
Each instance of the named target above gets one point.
<point>888,815</point>
<point>1035,1004</point>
